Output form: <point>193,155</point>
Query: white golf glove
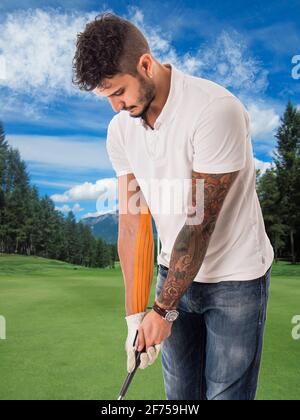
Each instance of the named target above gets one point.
<point>133,323</point>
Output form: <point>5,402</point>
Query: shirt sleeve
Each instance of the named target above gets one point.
<point>219,142</point>
<point>116,150</point>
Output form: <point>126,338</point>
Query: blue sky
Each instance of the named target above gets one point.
<point>247,46</point>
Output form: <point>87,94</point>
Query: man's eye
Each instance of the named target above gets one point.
<point>120,93</point>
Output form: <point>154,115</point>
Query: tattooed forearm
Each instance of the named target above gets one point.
<point>187,256</point>
<point>192,241</point>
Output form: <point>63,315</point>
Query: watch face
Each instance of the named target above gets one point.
<point>172,316</point>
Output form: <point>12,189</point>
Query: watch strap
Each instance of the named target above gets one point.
<point>159,310</point>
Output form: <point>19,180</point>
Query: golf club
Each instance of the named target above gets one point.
<point>130,375</point>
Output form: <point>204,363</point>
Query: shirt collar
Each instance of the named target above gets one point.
<point>170,108</point>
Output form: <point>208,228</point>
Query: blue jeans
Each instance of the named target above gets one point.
<point>214,350</point>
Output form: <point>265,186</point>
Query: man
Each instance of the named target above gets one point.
<point>215,261</point>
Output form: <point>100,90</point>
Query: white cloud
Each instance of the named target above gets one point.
<point>104,192</point>
<point>103,189</point>
<point>264,147</point>
<point>66,208</point>
<point>70,114</point>
<point>226,60</point>
<point>52,183</point>
<point>281,37</point>
<point>38,47</point>
<point>263,166</point>
<point>229,62</point>
<point>263,120</point>
<point>73,153</point>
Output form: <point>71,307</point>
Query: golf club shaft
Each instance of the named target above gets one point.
<point>130,375</point>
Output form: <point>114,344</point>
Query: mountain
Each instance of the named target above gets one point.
<point>106,226</point>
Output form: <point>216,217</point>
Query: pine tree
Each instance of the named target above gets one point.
<point>269,197</point>
<point>16,192</point>
<point>3,158</point>
<point>87,245</point>
<point>72,239</point>
<point>114,254</point>
<point>31,225</point>
<point>287,168</point>
<point>32,222</point>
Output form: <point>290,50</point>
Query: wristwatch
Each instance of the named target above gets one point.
<point>168,315</point>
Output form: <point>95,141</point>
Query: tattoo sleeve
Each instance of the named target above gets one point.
<point>193,239</point>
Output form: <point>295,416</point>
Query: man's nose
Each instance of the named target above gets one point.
<point>117,105</point>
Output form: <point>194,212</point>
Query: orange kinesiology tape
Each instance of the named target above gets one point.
<point>143,264</point>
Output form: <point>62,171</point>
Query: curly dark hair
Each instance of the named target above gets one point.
<point>108,46</point>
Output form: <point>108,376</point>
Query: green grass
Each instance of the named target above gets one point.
<point>66,332</point>
<point>280,375</point>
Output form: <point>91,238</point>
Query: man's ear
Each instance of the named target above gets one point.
<point>146,65</point>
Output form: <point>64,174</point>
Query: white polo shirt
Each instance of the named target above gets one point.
<point>205,128</point>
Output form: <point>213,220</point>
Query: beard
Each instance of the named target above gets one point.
<point>147,94</point>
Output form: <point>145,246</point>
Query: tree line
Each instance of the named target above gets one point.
<point>279,189</point>
<point>31,225</point>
